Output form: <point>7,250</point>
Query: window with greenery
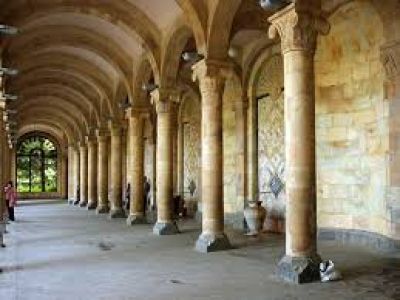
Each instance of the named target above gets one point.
<point>36,165</point>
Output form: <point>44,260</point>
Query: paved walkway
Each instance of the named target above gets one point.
<point>60,252</point>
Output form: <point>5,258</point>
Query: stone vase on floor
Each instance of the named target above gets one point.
<point>255,215</point>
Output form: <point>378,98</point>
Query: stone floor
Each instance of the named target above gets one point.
<point>59,252</point>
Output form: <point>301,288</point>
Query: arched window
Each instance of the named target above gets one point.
<point>36,165</point>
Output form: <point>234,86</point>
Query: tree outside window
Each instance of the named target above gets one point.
<point>36,165</point>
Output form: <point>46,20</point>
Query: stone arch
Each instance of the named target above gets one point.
<point>196,13</point>
<point>175,43</point>
<point>61,105</point>
<point>54,114</point>
<point>60,161</point>
<point>271,140</point>
<point>189,126</point>
<point>220,22</point>
<point>57,133</point>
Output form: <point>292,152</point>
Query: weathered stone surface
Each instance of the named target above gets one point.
<point>299,269</point>
<point>212,242</point>
<point>92,205</point>
<point>102,210</point>
<point>136,219</point>
<point>165,228</point>
<point>117,213</point>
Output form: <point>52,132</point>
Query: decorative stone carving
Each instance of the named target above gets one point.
<point>298,29</point>
<point>390,57</point>
<point>165,100</point>
<point>211,76</point>
<point>271,141</point>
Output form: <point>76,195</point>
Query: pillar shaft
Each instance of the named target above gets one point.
<point>241,150</point>
<point>211,83</point>
<point>116,172</point>
<point>76,170</point>
<point>70,174</point>
<point>92,173</point>
<point>137,208</point>
<point>298,32</point>
<point>165,223</point>
<point>2,169</point>
<point>102,174</point>
<point>83,151</point>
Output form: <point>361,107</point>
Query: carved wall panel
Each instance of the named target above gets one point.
<point>271,141</point>
<point>191,146</point>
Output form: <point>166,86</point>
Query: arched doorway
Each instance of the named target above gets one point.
<point>37,165</point>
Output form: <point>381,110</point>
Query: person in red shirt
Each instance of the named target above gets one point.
<point>11,199</point>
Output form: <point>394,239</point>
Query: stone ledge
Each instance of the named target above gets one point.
<point>360,237</point>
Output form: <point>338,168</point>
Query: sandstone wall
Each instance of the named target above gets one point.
<point>352,122</point>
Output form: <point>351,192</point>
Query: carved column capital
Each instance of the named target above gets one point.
<point>139,112</point>
<point>91,139</point>
<point>116,129</point>
<point>390,58</point>
<point>211,75</point>
<point>166,99</point>
<point>297,29</point>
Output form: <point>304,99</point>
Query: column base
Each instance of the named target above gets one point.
<point>102,210</point>
<point>92,205</point>
<point>169,228</point>
<point>83,204</point>
<point>136,219</point>
<point>76,202</point>
<point>117,213</point>
<point>299,269</point>
<point>71,201</point>
<point>212,242</point>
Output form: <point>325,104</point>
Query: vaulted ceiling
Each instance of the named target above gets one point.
<point>78,60</point>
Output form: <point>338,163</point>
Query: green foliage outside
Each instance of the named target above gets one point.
<point>36,165</point>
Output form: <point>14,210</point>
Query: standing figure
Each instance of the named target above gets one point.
<point>11,199</point>
<point>128,197</point>
<point>146,193</point>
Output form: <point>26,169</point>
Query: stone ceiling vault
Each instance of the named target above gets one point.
<point>78,59</point>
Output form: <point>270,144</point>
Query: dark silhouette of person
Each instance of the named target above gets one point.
<point>146,193</point>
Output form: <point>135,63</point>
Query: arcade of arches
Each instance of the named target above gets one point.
<point>220,102</point>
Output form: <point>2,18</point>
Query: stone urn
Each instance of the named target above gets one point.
<point>255,215</point>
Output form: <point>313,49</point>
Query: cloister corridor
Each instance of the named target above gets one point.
<point>199,149</point>
<point>56,253</point>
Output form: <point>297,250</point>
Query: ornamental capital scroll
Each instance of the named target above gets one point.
<point>297,29</point>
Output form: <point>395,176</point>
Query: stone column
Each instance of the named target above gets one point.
<point>212,82</point>
<point>83,151</point>
<point>298,32</point>
<point>180,167</point>
<point>2,169</point>
<point>164,105</point>
<point>253,150</point>
<point>102,173</point>
<point>137,214</point>
<point>92,172</point>
<point>116,172</point>
<point>241,148</point>
<point>64,176</point>
<point>70,174</point>
<point>77,176</point>
<point>175,158</point>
